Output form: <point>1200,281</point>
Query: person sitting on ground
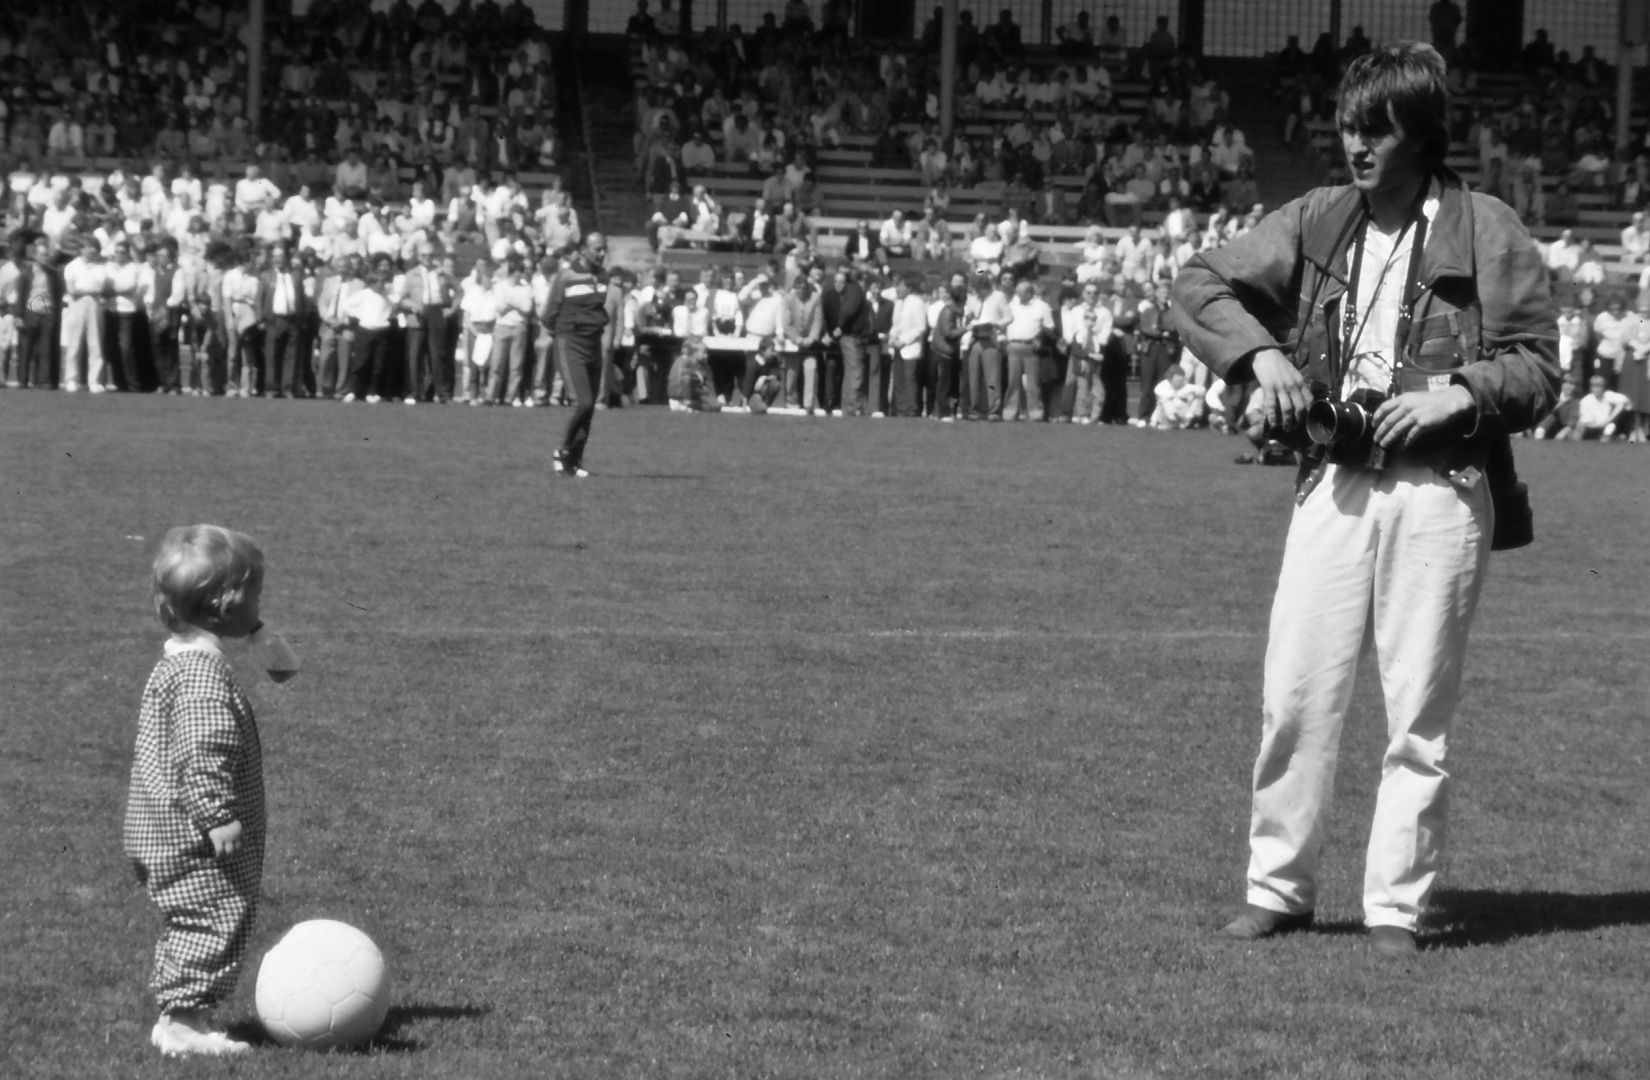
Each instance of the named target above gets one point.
<point>1178,403</point>
<point>1562,420</point>
<point>1598,413</point>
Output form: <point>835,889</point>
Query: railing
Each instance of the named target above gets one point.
<point>577,60</point>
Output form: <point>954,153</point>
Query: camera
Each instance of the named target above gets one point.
<point>1346,429</point>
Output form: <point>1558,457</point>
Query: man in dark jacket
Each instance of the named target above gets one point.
<point>851,329</point>
<point>578,313</point>
<point>1421,312</point>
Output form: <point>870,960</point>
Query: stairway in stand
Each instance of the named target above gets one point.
<point>610,119</point>
<point>1283,171</point>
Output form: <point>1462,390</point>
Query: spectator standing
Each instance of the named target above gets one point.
<point>1030,328</point>
<point>285,313</point>
<point>508,383</point>
<point>85,284</point>
<point>125,311</point>
<point>337,340</point>
<point>852,334</point>
<point>370,313</point>
<point>906,337</point>
<point>425,300</point>
<point>243,309</point>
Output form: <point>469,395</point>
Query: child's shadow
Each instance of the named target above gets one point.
<point>391,1038</point>
<point>1492,917</point>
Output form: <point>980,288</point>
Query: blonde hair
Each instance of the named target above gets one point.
<point>203,574</point>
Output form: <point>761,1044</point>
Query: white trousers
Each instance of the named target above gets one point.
<point>1395,558</point>
<point>83,328</point>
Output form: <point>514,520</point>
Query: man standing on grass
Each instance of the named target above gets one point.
<point>576,314</point>
<point>1408,285</point>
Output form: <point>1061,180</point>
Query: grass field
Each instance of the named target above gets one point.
<point>804,749</point>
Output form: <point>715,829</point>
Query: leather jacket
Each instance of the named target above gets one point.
<point>1483,317</point>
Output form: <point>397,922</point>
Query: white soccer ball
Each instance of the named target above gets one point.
<point>323,985</point>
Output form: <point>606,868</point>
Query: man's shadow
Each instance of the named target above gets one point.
<point>1466,917</point>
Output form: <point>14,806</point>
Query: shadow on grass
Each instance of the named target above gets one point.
<point>1490,916</point>
<point>390,1038</point>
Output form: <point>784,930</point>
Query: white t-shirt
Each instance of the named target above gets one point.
<point>1594,412</point>
<point>1380,295</point>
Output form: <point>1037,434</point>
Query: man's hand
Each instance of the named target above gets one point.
<point>226,839</point>
<point>1414,418</point>
<point>1284,394</point>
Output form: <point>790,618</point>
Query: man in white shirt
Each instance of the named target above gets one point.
<point>337,340</point>
<point>765,324</point>
<point>369,312</point>
<point>349,179</point>
<point>513,296</point>
<point>301,212</point>
<point>85,284</point>
<point>57,219</point>
<point>425,297</point>
<point>1086,327</point>
<point>243,318</point>
<point>1030,332</point>
<point>1178,402</point>
<point>698,156</point>
<point>906,337</point>
<point>124,304</point>
<point>253,193</point>
<point>1599,412</point>
<point>895,236</point>
<point>1564,255</point>
<point>986,372</point>
<point>479,306</point>
<point>285,307</point>
<point>1635,240</point>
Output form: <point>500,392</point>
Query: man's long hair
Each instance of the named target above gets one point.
<point>1402,83</point>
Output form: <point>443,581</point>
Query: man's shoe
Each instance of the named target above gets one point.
<point>181,1034</point>
<point>1392,942</point>
<point>349,399</point>
<point>1258,922</point>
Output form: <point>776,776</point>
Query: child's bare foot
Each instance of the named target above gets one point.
<point>181,1033</point>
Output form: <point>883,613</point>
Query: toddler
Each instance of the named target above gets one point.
<point>195,808</point>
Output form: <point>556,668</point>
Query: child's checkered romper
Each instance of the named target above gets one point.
<point>197,766</point>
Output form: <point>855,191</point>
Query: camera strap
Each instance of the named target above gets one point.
<point>1350,327</point>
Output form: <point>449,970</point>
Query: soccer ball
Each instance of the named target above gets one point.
<point>323,985</point>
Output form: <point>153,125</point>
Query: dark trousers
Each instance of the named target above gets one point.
<point>430,355</point>
<point>907,382</point>
<point>616,376</point>
<point>987,372</point>
<point>333,366</point>
<point>830,380</point>
<point>129,367</point>
<point>581,368</point>
<point>1155,362</point>
<point>877,377</point>
<point>281,347</point>
<point>1114,380</point>
<point>946,371</point>
<point>366,361</point>
<point>855,358</point>
<point>34,345</point>
<point>163,346</point>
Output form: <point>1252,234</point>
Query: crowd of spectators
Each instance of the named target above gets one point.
<point>767,103</point>
<point>996,338</point>
<point>157,242</point>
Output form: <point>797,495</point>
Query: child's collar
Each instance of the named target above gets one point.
<point>195,640</point>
